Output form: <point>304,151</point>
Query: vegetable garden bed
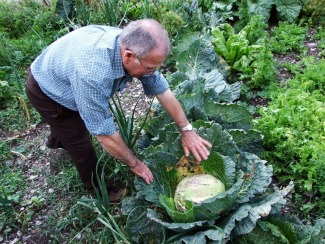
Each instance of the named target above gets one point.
<point>252,85</point>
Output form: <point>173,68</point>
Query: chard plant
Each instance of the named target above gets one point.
<point>247,53</point>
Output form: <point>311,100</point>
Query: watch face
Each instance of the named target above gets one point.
<point>189,127</point>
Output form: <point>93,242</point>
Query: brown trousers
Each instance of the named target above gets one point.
<point>67,129</point>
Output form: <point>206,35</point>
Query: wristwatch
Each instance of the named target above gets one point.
<point>189,127</point>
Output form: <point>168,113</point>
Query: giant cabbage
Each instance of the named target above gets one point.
<point>197,188</point>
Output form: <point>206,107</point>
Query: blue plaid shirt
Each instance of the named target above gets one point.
<point>83,70</point>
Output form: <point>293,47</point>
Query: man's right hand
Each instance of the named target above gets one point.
<point>116,147</point>
<point>143,171</point>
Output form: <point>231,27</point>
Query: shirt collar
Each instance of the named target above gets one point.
<point>117,65</point>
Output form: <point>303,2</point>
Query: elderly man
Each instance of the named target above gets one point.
<point>71,81</point>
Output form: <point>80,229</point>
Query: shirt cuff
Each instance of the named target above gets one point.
<point>154,84</point>
<point>106,127</point>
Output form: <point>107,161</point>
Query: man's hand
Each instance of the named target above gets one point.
<point>195,144</point>
<point>116,147</point>
<point>143,171</point>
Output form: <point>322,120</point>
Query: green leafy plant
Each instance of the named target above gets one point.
<point>248,197</point>
<point>285,10</point>
<point>126,124</point>
<point>22,37</point>
<point>288,38</point>
<point>172,22</point>
<point>293,128</point>
<point>238,49</point>
<point>11,191</point>
<point>101,205</point>
<point>223,217</point>
<point>262,71</point>
<point>205,94</point>
<point>315,9</point>
<point>279,228</point>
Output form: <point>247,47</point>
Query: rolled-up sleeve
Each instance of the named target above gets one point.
<point>154,84</point>
<point>92,102</point>
<point>91,86</point>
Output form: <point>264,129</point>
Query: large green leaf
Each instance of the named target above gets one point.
<point>226,93</point>
<point>165,180</point>
<point>141,228</point>
<point>195,54</point>
<point>261,7</point>
<point>221,167</point>
<point>263,233</point>
<point>248,140</point>
<point>231,92</point>
<point>258,176</point>
<point>221,140</point>
<point>220,43</point>
<point>248,214</point>
<point>288,9</point>
<point>228,113</point>
<point>202,237</point>
<point>174,226</point>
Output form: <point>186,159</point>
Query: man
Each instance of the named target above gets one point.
<point>72,80</point>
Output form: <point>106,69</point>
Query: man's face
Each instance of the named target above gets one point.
<point>137,67</point>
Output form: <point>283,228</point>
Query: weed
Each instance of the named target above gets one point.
<point>12,186</point>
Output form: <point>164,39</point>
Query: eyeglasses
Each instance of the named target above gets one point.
<point>148,70</point>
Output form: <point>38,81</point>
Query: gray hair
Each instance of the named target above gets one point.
<point>144,36</point>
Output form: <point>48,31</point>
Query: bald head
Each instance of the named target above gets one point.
<point>145,36</point>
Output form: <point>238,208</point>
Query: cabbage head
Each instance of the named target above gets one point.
<point>197,188</point>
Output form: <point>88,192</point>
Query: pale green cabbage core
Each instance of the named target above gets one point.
<point>197,188</point>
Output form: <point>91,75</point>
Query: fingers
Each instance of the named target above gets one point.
<point>196,145</point>
<point>200,153</point>
<point>186,151</point>
<point>206,143</point>
<point>144,172</point>
<point>148,178</point>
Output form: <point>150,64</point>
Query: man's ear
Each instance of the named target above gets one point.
<point>128,55</point>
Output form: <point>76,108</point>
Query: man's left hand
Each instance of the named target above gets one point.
<point>193,143</point>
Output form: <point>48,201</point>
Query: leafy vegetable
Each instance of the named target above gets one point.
<point>288,38</point>
<point>197,188</point>
<point>293,128</point>
<point>247,52</point>
<point>286,10</point>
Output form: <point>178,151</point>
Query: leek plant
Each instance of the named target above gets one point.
<point>101,205</point>
<point>111,10</point>
<point>126,124</point>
